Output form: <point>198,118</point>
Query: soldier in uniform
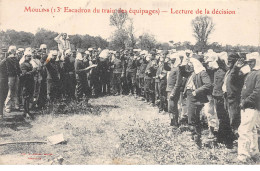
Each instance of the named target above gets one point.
<point>150,73</point>
<point>124,54</point>
<point>162,73</point>
<point>28,72</point>
<point>13,72</point>
<point>143,63</point>
<point>20,56</point>
<point>53,80</point>
<point>36,64</point>
<point>43,90</point>
<point>248,141</point>
<point>157,79</point>
<point>174,81</point>
<point>137,85</point>
<point>63,44</point>
<point>118,74</point>
<point>81,76</point>
<point>69,76</point>
<point>87,62</point>
<point>95,73</point>
<point>233,83</point>
<point>224,133</point>
<point>104,72</point>
<point>131,72</point>
<point>3,81</point>
<point>197,87</point>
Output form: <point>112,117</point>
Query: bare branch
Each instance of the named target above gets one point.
<point>202,27</point>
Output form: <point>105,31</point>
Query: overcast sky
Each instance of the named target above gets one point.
<point>242,28</point>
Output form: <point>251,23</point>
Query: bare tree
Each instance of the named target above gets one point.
<point>202,27</point>
<point>118,19</point>
<point>130,30</point>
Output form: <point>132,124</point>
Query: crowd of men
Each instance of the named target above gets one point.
<point>224,86</point>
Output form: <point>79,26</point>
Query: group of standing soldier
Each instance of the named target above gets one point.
<point>223,86</point>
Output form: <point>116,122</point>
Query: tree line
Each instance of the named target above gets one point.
<point>43,36</point>
<point>124,37</point>
<point>202,26</point>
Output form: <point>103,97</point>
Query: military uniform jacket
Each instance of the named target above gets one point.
<point>79,65</point>
<point>250,95</point>
<point>234,84</point>
<point>174,81</point>
<point>118,66</point>
<point>160,71</point>
<point>131,64</point>
<point>219,76</point>
<point>150,70</point>
<point>52,71</point>
<point>27,73</point>
<point>3,69</point>
<point>142,69</point>
<point>13,68</point>
<point>69,66</point>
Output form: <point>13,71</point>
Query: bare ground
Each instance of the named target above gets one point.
<point>111,130</point>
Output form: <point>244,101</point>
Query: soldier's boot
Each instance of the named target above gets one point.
<point>174,121</point>
<point>211,133</point>
<point>197,139</point>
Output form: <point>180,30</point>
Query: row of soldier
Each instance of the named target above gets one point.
<point>226,86</point>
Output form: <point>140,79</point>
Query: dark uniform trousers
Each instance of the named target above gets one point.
<point>157,89</point>
<point>28,87</point>
<point>117,83</point>
<point>3,92</point>
<point>20,89</point>
<point>232,106</point>
<point>224,133</point>
<point>141,86</point>
<point>43,90</point>
<point>95,82</point>
<point>28,90</point>
<point>105,82</point>
<point>81,88</point>
<point>131,81</point>
<point>138,87</point>
<point>69,85</point>
<point>149,90</point>
<point>163,96</point>
<point>53,89</point>
<point>194,108</point>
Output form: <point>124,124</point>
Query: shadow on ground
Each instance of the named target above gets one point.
<point>74,107</point>
<point>15,122</point>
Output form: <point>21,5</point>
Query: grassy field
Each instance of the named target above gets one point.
<point>110,130</point>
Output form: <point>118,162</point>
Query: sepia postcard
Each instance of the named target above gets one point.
<point>120,82</point>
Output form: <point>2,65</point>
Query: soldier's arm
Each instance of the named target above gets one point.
<point>2,62</point>
<point>206,83</point>
<point>77,70</point>
<point>18,68</point>
<point>57,39</point>
<point>24,69</point>
<point>253,97</point>
<point>178,83</point>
